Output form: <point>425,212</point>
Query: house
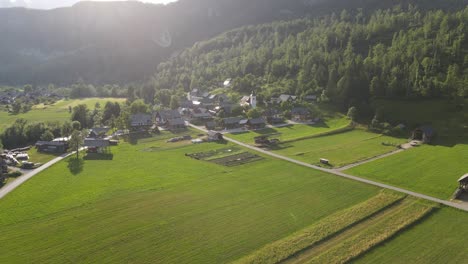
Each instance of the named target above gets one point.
<point>52,146</point>
<point>97,145</point>
<point>201,117</point>
<point>176,124</point>
<point>141,121</point>
<point>424,133</point>
<point>300,114</point>
<point>243,122</point>
<point>231,122</point>
<point>165,115</point>
<point>256,123</point>
<point>98,132</point>
<point>214,136</point>
<point>273,116</point>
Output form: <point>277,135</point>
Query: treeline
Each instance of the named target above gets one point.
<point>346,58</point>
<point>113,114</point>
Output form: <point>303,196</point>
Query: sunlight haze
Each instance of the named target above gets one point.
<point>49,4</point>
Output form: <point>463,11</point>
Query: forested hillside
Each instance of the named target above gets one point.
<point>122,42</point>
<point>348,57</point>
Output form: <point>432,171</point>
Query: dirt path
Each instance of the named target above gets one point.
<point>460,206</point>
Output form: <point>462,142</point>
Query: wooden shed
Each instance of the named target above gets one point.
<point>463,181</point>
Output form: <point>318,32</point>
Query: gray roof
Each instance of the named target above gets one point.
<point>257,121</point>
<point>176,122</point>
<point>100,130</point>
<point>50,143</point>
<point>141,119</point>
<point>91,142</point>
<point>463,178</point>
<point>243,121</point>
<point>232,120</point>
<point>169,114</point>
<point>300,111</point>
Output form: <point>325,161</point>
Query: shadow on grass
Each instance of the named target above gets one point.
<point>75,165</point>
<point>99,156</point>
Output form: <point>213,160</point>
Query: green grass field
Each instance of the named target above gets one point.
<point>293,131</point>
<point>340,149</point>
<point>153,204</point>
<point>438,239</point>
<point>433,170</point>
<point>55,112</point>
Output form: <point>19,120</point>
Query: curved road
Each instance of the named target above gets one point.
<point>22,179</point>
<point>460,206</point>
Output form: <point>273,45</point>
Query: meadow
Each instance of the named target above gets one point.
<point>151,203</point>
<point>55,112</point>
<point>340,149</point>
<point>438,239</point>
<point>428,169</point>
<point>293,132</point>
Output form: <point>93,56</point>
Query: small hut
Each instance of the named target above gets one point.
<point>214,136</point>
<point>96,145</point>
<point>463,181</point>
<point>425,134</point>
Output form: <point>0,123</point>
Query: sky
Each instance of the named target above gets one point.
<point>48,4</point>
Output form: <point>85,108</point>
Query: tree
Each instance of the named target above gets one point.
<point>16,107</point>
<point>139,106</point>
<point>253,113</point>
<point>174,102</point>
<point>76,125</point>
<point>67,128</point>
<point>81,114</point>
<point>352,113</point>
<point>47,136</point>
<point>76,141</point>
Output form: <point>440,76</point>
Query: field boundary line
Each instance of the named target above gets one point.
<point>463,207</point>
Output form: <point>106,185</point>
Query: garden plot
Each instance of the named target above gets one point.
<point>229,157</point>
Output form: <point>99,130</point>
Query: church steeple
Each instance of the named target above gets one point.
<point>253,100</point>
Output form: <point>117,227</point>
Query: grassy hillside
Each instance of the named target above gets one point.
<point>55,112</point>
<point>151,203</point>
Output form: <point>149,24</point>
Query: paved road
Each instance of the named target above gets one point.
<point>22,179</point>
<point>461,206</point>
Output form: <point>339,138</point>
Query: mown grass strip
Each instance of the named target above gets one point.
<point>373,236</point>
<point>339,130</point>
<point>333,224</point>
